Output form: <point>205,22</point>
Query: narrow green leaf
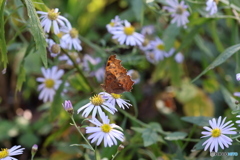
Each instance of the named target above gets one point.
<point>3,47</point>
<point>21,78</point>
<point>220,59</point>
<point>200,43</point>
<point>176,136</point>
<point>169,36</point>
<point>37,32</point>
<point>82,145</point>
<point>228,98</point>
<point>200,121</point>
<point>138,9</point>
<point>40,5</point>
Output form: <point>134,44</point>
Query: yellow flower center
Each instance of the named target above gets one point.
<point>129,30</point>
<point>55,49</point>
<point>116,96</point>
<point>176,44</point>
<point>180,10</point>
<point>59,35</point>
<point>106,128</point>
<point>112,24</point>
<point>3,153</point>
<point>216,132</point>
<point>74,55</point>
<point>97,100</point>
<point>49,83</point>
<point>160,47</point>
<point>53,15</point>
<point>73,33</point>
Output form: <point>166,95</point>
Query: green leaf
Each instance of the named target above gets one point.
<point>220,59</point>
<point>176,136</point>
<point>138,9</point>
<point>199,145</point>
<point>200,43</point>
<point>21,78</point>
<point>150,135</point>
<point>78,82</point>
<point>200,121</point>
<point>3,47</point>
<point>169,36</point>
<point>82,145</point>
<point>228,98</point>
<point>28,139</point>
<point>40,5</point>
<point>37,32</point>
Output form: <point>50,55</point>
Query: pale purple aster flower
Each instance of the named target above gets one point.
<point>217,134</point>
<point>104,131</point>
<point>6,154</point>
<point>211,7</point>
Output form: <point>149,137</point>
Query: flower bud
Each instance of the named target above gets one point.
<point>68,107</point>
<point>34,149</point>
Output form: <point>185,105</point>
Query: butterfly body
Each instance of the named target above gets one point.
<point>116,79</point>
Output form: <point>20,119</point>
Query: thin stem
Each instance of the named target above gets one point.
<point>32,157</point>
<point>79,70</point>
<point>133,118</point>
<point>189,137</point>
<point>113,157</point>
<point>81,132</point>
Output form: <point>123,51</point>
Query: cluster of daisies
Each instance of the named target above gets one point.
<point>103,130</point>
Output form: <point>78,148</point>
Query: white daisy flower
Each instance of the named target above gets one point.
<point>238,76</point>
<point>5,154</point>
<point>104,131</point>
<point>116,22</point>
<point>179,12</point>
<point>217,134</point>
<point>96,104</point>
<point>53,48</point>
<point>148,30</point>
<point>74,56</point>
<point>70,40</point>
<point>115,99</point>
<point>158,48</point>
<point>52,18</point>
<point>135,76</point>
<point>50,83</point>
<point>126,35</point>
<point>212,6</point>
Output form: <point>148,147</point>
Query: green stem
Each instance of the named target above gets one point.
<point>113,157</point>
<point>189,137</point>
<point>81,133</point>
<point>79,70</point>
<point>32,157</point>
<point>133,118</point>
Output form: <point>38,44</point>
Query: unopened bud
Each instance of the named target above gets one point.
<point>120,147</point>
<point>68,107</point>
<point>34,149</point>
